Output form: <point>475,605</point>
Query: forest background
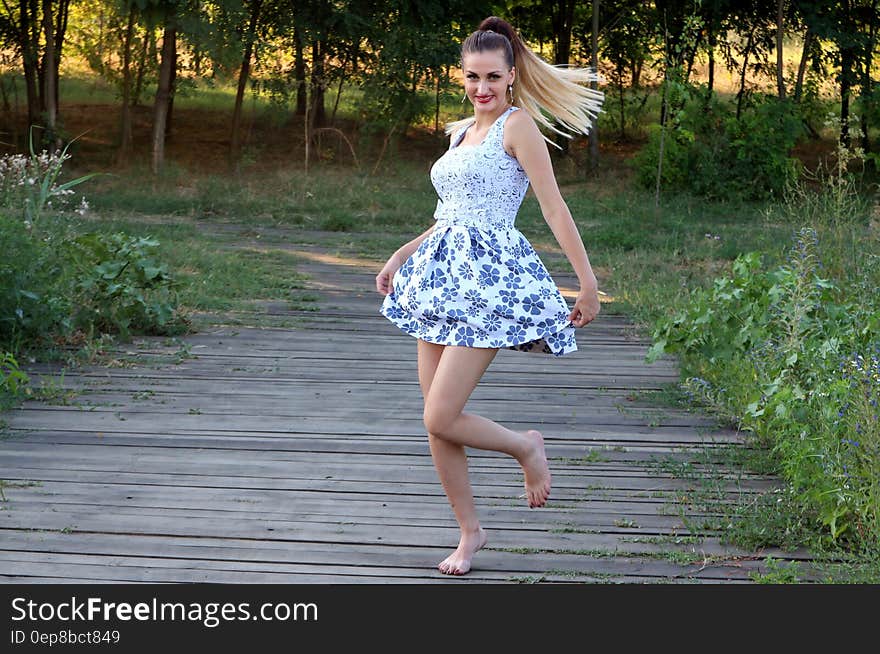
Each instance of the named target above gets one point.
<point>728,195</point>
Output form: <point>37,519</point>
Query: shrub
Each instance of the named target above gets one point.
<point>13,381</point>
<point>707,150</point>
<point>53,280</point>
<point>34,298</point>
<point>120,287</point>
<point>794,357</point>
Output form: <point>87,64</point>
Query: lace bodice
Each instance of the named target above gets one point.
<point>479,185</point>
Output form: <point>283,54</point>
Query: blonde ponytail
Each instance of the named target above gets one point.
<point>539,87</point>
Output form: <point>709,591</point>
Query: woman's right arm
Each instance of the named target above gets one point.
<point>406,251</point>
<point>386,276</point>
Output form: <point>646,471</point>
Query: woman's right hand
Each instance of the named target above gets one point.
<point>385,278</point>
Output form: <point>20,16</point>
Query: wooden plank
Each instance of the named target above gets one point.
<point>313,410</point>
<point>343,505</point>
<point>317,427</point>
<point>366,555</point>
<point>275,466</point>
<point>165,566</point>
<point>478,462</point>
<point>328,533</point>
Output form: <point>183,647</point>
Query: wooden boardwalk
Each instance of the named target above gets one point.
<point>298,455</point>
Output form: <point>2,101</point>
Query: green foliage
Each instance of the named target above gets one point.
<point>794,355</point>
<point>712,153</point>
<point>778,572</point>
<point>53,281</point>
<point>120,287</point>
<point>33,300</point>
<point>13,381</point>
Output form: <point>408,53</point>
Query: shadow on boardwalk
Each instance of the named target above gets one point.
<point>298,455</point>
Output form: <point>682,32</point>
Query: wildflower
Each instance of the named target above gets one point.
<point>83,207</point>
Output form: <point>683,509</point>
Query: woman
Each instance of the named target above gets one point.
<point>472,283</point>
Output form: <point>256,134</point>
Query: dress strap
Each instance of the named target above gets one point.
<point>498,127</point>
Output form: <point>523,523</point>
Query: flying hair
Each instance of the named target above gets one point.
<point>540,88</point>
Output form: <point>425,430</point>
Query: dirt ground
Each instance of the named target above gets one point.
<point>199,139</point>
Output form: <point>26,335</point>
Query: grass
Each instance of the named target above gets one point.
<point>217,272</point>
<point>766,519</point>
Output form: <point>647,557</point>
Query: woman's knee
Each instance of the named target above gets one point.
<point>438,419</point>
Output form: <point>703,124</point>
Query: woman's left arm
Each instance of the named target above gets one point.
<point>523,140</point>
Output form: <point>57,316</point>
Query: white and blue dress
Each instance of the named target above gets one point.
<point>475,280</point>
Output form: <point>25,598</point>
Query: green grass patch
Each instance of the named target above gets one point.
<point>216,273</point>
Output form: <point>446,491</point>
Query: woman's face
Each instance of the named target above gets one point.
<point>486,77</point>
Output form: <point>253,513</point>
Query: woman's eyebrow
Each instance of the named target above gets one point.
<point>492,72</point>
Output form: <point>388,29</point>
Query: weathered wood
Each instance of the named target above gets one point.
<point>259,455</point>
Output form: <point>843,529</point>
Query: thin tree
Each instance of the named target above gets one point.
<point>250,37</point>
<point>50,79</point>
<point>594,131</point>
<point>125,136</point>
<point>780,31</point>
<point>163,93</point>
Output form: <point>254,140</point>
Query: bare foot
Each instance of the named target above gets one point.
<point>537,472</point>
<point>459,562</point>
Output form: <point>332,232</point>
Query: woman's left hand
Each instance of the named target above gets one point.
<point>586,307</point>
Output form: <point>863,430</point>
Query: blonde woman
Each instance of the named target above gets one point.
<point>472,283</point>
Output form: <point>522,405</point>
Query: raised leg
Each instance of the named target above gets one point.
<point>457,372</point>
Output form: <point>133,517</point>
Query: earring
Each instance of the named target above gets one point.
<point>510,90</point>
<point>463,98</point>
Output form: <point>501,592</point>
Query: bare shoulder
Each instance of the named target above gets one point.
<point>520,131</point>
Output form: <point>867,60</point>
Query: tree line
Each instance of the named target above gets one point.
<point>402,54</point>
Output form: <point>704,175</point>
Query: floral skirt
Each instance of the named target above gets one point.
<point>476,287</point>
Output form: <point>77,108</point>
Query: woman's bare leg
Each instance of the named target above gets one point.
<point>450,461</point>
<point>457,374</point>
<point>451,376</point>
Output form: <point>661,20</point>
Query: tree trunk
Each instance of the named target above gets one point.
<point>29,61</point>
<point>299,68</point>
<point>125,121</point>
<point>437,103</point>
<point>691,56</point>
<point>620,72</point>
<point>867,84</point>
<point>235,138</point>
<point>637,73</point>
<point>50,81</point>
<point>172,88</point>
<point>147,39</point>
<point>802,66</point>
<point>742,78</point>
<point>339,89</point>
<point>7,108</point>
<point>846,64</point>
<point>780,28</point>
<point>594,46</point>
<point>60,33</point>
<point>197,51</point>
<point>562,19</point>
<point>318,115</point>
<point>36,37</point>
<point>713,43</point>
<point>163,94</point>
